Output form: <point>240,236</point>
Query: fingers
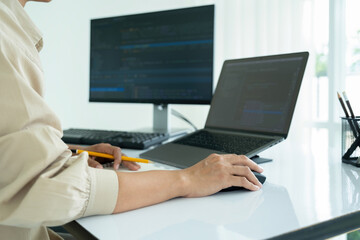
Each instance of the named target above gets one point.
<point>244,172</point>
<point>109,149</point>
<point>244,182</point>
<point>131,165</point>
<point>93,163</point>
<point>244,161</point>
<point>116,152</point>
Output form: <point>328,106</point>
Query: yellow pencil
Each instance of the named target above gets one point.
<point>104,155</point>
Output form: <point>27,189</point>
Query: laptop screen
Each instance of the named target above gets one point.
<point>257,94</point>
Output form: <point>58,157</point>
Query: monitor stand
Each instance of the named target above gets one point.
<point>162,123</point>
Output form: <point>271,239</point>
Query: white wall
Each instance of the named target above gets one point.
<point>243,28</point>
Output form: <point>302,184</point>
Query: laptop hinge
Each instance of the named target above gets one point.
<point>241,132</point>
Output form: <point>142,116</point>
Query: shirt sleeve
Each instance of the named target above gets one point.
<point>40,182</point>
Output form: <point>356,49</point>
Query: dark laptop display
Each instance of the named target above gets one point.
<point>257,95</point>
<point>251,110</point>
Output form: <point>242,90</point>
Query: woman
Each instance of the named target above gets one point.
<point>42,184</point>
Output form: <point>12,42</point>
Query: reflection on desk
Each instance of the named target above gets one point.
<point>221,216</point>
<point>350,177</point>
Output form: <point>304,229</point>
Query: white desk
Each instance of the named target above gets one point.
<point>308,194</point>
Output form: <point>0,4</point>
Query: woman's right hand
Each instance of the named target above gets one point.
<point>217,172</point>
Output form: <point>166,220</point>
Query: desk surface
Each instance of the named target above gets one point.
<point>308,193</point>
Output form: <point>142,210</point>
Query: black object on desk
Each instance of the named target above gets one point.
<point>259,176</point>
<point>123,139</point>
<point>349,141</point>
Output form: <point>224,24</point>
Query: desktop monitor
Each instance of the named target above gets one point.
<point>162,58</point>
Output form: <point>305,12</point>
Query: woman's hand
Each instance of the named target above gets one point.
<point>204,178</point>
<point>217,172</point>
<point>95,162</point>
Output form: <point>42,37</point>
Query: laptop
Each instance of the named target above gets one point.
<point>251,110</point>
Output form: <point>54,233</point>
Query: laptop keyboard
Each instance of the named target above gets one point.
<point>225,143</point>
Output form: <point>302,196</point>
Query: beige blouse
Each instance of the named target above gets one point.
<point>41,184</point>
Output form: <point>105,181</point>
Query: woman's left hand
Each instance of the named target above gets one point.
<point>96,162</point>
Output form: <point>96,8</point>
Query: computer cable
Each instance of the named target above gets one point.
<point>179,115</point>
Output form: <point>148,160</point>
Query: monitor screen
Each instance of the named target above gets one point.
<point>159,57</point>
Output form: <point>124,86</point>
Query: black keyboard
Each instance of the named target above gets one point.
<point>238,144</point>
<point>134,140</point>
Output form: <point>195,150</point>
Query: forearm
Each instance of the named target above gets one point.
<point>142,189</point>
